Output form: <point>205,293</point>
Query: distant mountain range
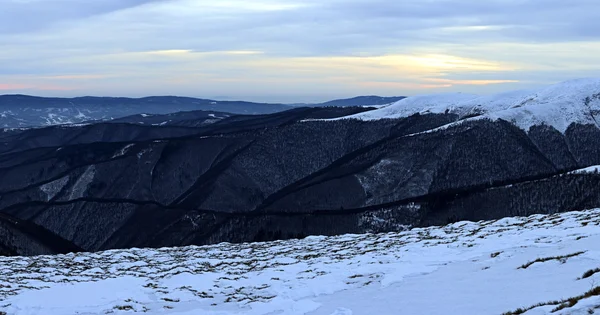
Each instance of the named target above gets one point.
<point>370,100</point>
<point>17,111</point>
<point>28,111</point>
<point>362,101</point>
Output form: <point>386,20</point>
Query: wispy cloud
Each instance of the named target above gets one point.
<point>11,86</point>
<point>77,77</point>
<point>42,87</point>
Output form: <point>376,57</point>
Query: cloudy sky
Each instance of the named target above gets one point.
<point>293,50</point>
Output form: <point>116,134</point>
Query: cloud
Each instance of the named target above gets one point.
<point>20,16</point>
<point>322,48</point>
<point>11,86</point>
<point>21,87</point>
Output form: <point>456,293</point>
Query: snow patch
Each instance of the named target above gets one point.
<point>52,188</point>
<point>588,170</point>
<point>144,151</point>
<point>81,115</point>
<point>81,185</point>
<point>160,124</point>
<point>123,151</point>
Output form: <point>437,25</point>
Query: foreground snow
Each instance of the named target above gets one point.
<point>559,105</point>
<point>463,268</point>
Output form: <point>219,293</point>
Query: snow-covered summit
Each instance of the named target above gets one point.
<point>543,264</point>
<point>559,105</point>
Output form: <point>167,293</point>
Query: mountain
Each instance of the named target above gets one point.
<point>27,111</point>
<point>20,111</point>
<point>542,264</point>
<point>557,106</point>
<point>422,161</point>
<point>189,118</point>
<point>361,101</point>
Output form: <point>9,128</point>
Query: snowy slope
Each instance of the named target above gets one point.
<point>464,268</point>
<point>559,105</point>
<point>435,103</point>
<point>587,170</point>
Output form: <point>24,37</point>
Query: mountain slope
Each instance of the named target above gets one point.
<point>285,175</point>
<point>559,105</point>
<point>537,263</point>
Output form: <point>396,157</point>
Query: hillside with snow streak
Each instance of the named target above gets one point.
<point>531,265</point>
<point>559,105</point>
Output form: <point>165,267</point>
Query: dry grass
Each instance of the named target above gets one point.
<point>590,273</point>
<point>545,259</point>
<point>560,305</point>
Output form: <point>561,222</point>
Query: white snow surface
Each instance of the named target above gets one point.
<point>587,170</point>
<point>559,105</point>
<point>462,268</point>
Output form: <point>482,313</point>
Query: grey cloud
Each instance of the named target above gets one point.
<point>18,16</point>
<point>75,36</point>
<point>332,27</point>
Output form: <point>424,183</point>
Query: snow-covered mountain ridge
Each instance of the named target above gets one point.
<point>487,267</point>
<point>559,105</point>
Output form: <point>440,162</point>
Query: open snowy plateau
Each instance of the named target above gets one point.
<point>558,105</point>
<point>543,264</point>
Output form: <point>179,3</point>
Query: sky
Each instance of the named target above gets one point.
<point>293,50</point>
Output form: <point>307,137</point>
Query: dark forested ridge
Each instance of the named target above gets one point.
<point>289,174</point>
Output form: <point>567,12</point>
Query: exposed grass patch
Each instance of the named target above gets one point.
<point>124,307</point>
<point>170,300</point>
<point>572,301</point>
<point>590,273</point>
<point>151,285</point>
<point>560,305</point>
<point>562,259</point>
<point>522,310</point>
